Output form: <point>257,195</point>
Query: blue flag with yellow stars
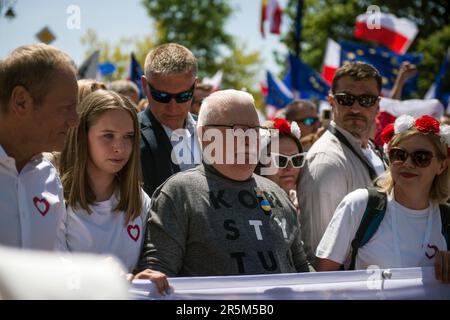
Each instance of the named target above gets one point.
<point>385,61</point>
<point>306,80</point>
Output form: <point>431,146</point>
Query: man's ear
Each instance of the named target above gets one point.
<point>21,101</point>
<point>330,99</point>
<point>145,86</point>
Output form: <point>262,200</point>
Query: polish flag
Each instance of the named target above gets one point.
<point>271,11</point>
<point>331,61</point>
<point>396,34</point>
<point>274,12</point>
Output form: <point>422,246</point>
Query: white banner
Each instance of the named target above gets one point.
<point>376,284</point>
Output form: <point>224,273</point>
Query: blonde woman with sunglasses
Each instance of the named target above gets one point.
<point>411,232</point>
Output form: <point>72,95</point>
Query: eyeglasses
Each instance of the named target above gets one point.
<point>236,127</point>
<point>281,160</point>
<point>309,121</point>
<point>165,97</point>
<point>420,158</point>
<point>347,99</point>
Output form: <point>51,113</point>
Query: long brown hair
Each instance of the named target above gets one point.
<point>74,157</point>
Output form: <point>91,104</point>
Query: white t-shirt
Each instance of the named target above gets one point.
<point>31,204</point>
<point>104,231</point>
<point>400,228</point>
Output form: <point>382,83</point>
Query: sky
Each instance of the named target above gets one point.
<point>115,19</point>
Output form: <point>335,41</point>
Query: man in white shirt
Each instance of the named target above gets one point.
<point>38,99</point>
<point>169,142</point>
<point>343,159</point>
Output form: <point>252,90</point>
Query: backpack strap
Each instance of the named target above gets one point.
<point>374,214</point>
<point>444,208</point>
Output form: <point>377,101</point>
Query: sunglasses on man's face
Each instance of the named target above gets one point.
<point>165,97</point>
<point>309,121</point>
<point>420,158</point>
<point>281,160</point>
<point>347,99</point>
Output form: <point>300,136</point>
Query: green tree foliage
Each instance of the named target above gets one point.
<point>118,52</point>
<point>335,19</point>
<point>200,26</point>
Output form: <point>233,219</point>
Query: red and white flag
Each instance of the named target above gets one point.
<point>271,11</point>
<point>396,34</point>
<point>331,61</point>
<point>215,81</point>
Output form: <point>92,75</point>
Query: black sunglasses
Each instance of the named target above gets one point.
<point>420,158</point>
<point>281,160</point>
<point>347,99</point>
<point>165,97</point>
<point>309,121</point>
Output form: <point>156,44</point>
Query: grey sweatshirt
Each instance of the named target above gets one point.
<point>204,224</point>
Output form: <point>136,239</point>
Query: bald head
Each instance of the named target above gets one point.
<point>224,112</point>
<point>228,107</point>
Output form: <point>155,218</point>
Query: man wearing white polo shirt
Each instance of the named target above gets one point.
<point>38,98</point>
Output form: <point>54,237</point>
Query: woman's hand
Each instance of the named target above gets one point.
<point>442,266</point>
<point>158,278</point>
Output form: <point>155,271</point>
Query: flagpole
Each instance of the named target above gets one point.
<point>298,27</point>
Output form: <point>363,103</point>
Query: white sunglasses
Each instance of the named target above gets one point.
<point>281,160</point>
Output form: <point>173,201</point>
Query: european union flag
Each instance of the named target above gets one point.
<point>385,61</point>
<point>441,86</point>
<point>278,95</point>
<point>306,80</point>
<point>136,74</point>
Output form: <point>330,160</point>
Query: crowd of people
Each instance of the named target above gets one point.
<point>191,183</point>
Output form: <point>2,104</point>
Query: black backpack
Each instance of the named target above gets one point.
<point>374,214</point>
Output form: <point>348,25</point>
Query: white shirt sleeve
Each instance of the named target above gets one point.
<point>323,184</point>
<point>336,242</point>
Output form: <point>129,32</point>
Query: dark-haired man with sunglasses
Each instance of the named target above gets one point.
<point>166,125</point>
<point>344,158</point>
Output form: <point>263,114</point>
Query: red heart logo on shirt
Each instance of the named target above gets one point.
<point>134,232</point>
<point>435,250</point>
<point>41,205</point>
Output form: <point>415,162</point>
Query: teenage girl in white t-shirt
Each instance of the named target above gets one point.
<point>107,209</point>
<point>417,181</point>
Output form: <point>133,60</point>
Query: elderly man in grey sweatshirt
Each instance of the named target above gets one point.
<point>220,218</point>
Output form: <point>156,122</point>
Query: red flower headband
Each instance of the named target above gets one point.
<point>287,128</point>
<point>424,124</point>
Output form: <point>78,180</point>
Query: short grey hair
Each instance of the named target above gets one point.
<point>216,104</point>
<point>170,58</point>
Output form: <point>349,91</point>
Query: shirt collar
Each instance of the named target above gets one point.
<point>351,138</point>
<point>189,126</point>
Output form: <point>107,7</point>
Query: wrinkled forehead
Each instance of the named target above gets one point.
<point>354,86</point>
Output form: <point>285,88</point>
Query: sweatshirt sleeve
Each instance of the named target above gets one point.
<point>165,237</point>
